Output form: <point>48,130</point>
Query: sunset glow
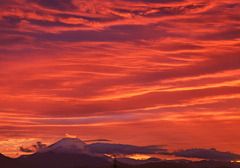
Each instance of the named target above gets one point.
<point>140,157</point>
<point>139,72</point>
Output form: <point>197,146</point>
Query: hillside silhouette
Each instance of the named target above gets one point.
<point>74,153</point>
<point>50,160</point>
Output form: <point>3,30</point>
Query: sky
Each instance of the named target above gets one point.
<point>138,72</point>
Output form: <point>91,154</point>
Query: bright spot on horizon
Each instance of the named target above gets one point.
<point>139,157</point>
<point>236,161</point>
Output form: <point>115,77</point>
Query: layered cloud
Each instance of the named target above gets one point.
<point>122,149</point>
<point>97,140</point>
<point>61,5</point>
<point>23,149</point>
<point>148,67</point>
<point>211,154</point>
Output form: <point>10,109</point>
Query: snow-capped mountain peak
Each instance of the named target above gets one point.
<point>66,145</point>
<point>69,143</point>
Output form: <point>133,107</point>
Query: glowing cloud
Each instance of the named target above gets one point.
<point>137,72</point>
<point>70,136</point>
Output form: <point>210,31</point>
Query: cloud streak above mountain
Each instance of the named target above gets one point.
<point>136,72</point>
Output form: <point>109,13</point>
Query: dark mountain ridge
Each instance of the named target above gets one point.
<point>61,160</point>
<point>6,162</point>
<point>57,160</point>
<point>74,153</point>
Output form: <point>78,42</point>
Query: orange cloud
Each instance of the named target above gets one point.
<point>165,72</point>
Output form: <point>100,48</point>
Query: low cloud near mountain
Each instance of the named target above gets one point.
<point>98,140</point>
<point>72,144</point>
<point>34,148</point>
<point>107,148</point>
<point>211,154</point>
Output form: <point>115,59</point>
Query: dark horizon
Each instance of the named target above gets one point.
<point>74,153</point>
<point>104,147</point>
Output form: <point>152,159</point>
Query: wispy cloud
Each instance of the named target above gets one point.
<point>108,65</point>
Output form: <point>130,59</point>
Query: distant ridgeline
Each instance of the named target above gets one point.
<point>72,153</point>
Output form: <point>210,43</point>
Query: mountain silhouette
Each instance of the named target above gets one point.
<point>6,162</point>
<point>67,145</point>
<point>69,142</point>
<point>74,153</point>
<point>62,160</point>
<point>66,153</point>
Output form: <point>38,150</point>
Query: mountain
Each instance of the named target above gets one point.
<point>62,160</point>
<point>6,162</point>
<point>74,153</point>
<point>66,153</point>
<point>166,164</point>
<point>69,142</point>
<point>67,145</point>
<point>213,164</point>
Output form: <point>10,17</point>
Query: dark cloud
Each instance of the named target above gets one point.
<point>110,17</point>
<point>53,23</point>
<point>97,140</point>
<point>211,154</point>
<point>176,47</point>
<point>166,11</point>
<point>156,1</point>
<point>9,22</point>
<point>34,148</point>
<point>161,11</point>
<point>64,5</point>
<point>3,2</point>
<point>120,33</point>
<point>118,149</point>
<point>11,39</point>
<point>227,34</point>
<point>8,2</point>
<point>233,5</point>
<point>23,149</point>
<point>58,23</point>
<point>39,146</point>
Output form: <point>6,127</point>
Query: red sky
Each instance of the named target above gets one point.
<point>141,72</point>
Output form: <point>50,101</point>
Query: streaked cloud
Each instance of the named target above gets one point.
<point>211,154</point>
<point>122,149</point>
<point>160,69</point>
